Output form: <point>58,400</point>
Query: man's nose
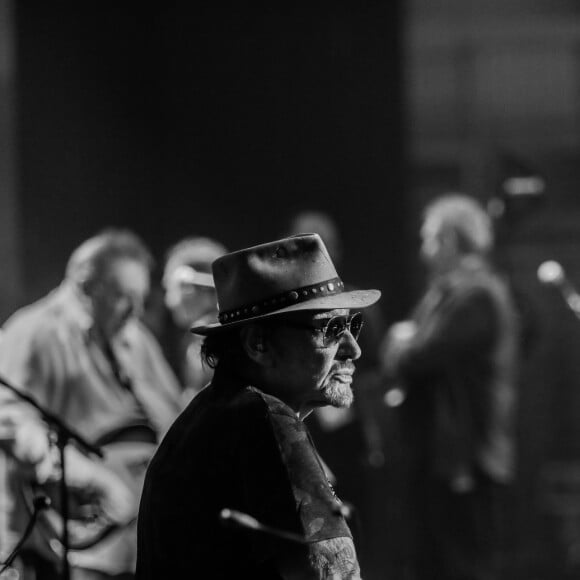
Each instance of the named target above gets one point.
<point>349,347</point>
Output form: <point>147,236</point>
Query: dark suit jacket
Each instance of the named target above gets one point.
<point>460,371</point>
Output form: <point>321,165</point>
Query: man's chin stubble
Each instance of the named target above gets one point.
<point>339,395</point>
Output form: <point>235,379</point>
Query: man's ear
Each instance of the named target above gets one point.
<point>255,344</point>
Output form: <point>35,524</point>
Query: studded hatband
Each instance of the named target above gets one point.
<point>325,288</point>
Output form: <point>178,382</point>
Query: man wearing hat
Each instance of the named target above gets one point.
<point>237,489</point>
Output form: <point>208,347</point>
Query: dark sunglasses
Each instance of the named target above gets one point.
<point>333,328</point>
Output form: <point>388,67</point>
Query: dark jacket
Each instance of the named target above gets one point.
<point>233,447</point>
<point>460,373</point>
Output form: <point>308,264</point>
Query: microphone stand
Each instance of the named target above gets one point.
<point>64,434</point>
<point>40,503</point>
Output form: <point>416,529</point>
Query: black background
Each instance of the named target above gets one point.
<point>219,120</point>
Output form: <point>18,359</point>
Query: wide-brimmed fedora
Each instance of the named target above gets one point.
<point>287,275</point>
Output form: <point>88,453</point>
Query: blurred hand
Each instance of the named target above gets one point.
<point>33,449</point>
<point>117,500</point>
<point>31,442</point>
<point>115,497</point>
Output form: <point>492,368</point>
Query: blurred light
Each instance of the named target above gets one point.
<point>551,272</point>
<point>524,186</point>
<point>394,397</point>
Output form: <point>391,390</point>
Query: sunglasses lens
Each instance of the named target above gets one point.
<point>334,329</point>
<point>356,325</point>
<point>337,325</point>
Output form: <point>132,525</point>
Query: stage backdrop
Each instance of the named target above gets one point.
<point>218,120</point>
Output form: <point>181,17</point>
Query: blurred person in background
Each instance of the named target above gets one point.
<point>188,296</point>
<point>83,354</point>
<point>321,223</point>
<point>456,364</point>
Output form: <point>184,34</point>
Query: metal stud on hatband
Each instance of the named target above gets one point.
<point>314,290</point>
<point>331,287</point>
<point>293,295</point>
<point>255,309</point>
<point>304,292</point>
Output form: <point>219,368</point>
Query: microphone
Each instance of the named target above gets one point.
<point>551,273</point>
<point>235,518</point>
<point>239,519</point>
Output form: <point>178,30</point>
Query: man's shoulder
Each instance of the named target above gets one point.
<point>248,413</point>
<point>43,319</point>
<point>254,399</point>
<point>473,280</point>
<point>241,404</point>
